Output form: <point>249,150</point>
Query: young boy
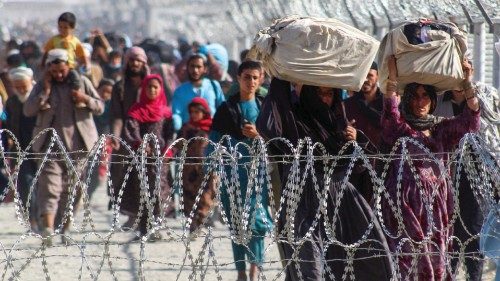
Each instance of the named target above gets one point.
<point>236,117</point>
<point>102,121</point>
<point>103,126</point>
<point>66,40</point>
<point>76,54</point>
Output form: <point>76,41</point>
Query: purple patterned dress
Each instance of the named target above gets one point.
<point>427,184</point>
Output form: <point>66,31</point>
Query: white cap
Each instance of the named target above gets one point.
<point>20,73</point>
<point>57,54</point>
<point>13,52</point>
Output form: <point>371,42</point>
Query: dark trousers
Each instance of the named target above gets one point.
<point>24,181</point>
<point>4,181</point>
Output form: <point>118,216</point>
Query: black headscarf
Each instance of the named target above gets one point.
<point>322,122</point>
<point>419,123</point>
<point>285,115</point>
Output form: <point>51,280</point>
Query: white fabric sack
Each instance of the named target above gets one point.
<point>437,63</point>
<point>315,51</point>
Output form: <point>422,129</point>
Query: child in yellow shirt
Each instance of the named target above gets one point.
<point>66,40</point>
<point>76,55</point>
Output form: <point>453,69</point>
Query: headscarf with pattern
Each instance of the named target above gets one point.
<point>419,123</point>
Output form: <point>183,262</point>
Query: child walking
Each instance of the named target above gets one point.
<point>236,117</point>
<point>199,125</point>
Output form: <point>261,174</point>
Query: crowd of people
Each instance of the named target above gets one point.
<point>105,86</point>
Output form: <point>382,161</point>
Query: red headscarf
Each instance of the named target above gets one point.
<point>146,110</point>
<point>206,122</point>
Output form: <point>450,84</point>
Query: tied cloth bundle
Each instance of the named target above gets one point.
<point>427,52</point>
<point>315,51</point>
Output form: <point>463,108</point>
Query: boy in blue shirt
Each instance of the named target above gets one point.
<point>236,117</point>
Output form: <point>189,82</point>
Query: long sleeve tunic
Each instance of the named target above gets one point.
<point>285,115</point>
<point>133,134</point>
<point>420,190</point>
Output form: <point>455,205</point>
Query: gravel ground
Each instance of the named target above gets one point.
<point>163,260</point>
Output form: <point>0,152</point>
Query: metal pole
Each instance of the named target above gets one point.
<point>354,22</point>
<point>469,18</point>
<point>248,42</point>
<point>496,56</point>
<point>479,47</point>
<point>387,14</point>
<point>149,15</point>
<point>374,24</point>
<point>235,51</point>
<point>381,32</point>
<point>487,18</point>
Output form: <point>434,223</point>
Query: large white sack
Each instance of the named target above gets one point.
<point>316,51</point>
<point>437,63</point>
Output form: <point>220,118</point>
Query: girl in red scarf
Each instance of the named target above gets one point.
<point>199,114</point>
<point>150,115</point>
<point>199,125</point>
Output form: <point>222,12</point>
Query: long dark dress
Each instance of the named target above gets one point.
<point>124,95</point>
<point>367,115</point>
<point>307,116</point>
<point>133,134</point>
<point>430,186</point>
<point>22,128</point>
<point>367,123</point>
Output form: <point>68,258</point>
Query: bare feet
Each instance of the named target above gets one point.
<point>242,276</point>
<point>254,272</point>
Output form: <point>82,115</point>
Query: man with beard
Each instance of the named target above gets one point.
<point>364,111</point>
<point>75,127</point>
<point>125,94</point>
<point>197,86</point>
<point>21,127</point>
<point>365,107</point>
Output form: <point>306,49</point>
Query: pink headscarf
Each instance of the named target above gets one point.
<point>146,110</point>
<point>136,53</point>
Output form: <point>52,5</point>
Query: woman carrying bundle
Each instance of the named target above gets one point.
<point>308,241</point>
<point>418,187</point>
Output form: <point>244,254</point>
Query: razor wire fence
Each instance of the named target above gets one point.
<point>94,248</point>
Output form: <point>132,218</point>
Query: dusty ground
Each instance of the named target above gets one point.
<point>163,260</point>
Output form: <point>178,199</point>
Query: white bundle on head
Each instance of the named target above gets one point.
<point>315,51</point>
